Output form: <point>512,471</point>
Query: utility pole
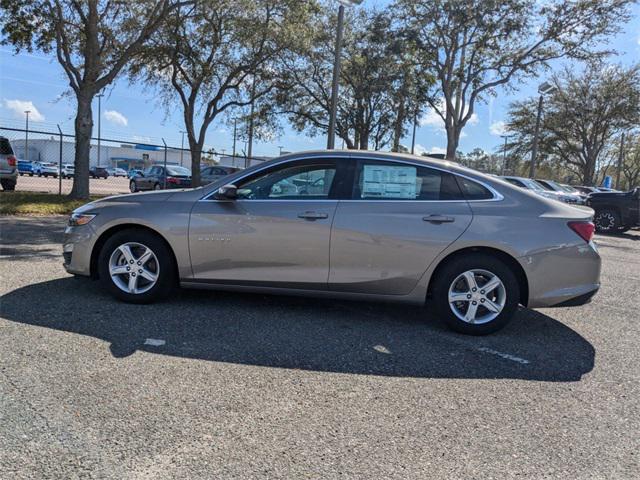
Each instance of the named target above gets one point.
<point>620,162</point>
<point>280,147</point>
<point>182,147</point>
<point>413,138</point>
<point>100,95</point>
<point>331,138</point>
<point>26,136</point>
<point>253,108</point>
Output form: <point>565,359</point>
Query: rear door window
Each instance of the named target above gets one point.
<point>382,180</point>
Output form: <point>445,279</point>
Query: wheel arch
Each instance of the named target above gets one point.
<point>508,259</point>
<point>111,231</point>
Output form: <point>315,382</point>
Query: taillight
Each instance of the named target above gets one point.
<point>173,180</point>
<point>584,229</point>
<point>11,160</point>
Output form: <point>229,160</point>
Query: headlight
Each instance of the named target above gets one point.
<point>77,219</point>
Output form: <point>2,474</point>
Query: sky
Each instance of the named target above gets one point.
<point>35,82</point>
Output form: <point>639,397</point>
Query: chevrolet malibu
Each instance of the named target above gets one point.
<point>375,226</point>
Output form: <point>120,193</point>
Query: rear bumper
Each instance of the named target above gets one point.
<point>564,276</point>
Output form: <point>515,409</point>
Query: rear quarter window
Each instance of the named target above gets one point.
<point>473,190</point>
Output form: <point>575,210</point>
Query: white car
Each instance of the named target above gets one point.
<point>117,172</point>
<point>68,170</point>
<point>46,169</point>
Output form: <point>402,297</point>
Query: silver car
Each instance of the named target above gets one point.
<point>375,226</point>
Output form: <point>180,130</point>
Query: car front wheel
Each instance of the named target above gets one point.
<point>133,187</point>
<point>137,266</point>
<point>476,294</point>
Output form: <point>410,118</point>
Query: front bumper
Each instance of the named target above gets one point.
<point>76,249</point>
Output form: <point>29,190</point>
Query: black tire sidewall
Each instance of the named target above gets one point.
<point>167,279</point>
<point>454,267</point>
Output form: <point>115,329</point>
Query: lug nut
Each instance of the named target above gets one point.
<point>128,269</point>
<point>469,296</point>
<point>131,262</point>
<point>482,292</point>
<point>482,300</point>
<point>133,274</point>
<point>474,302</point>
<point>474,289</point>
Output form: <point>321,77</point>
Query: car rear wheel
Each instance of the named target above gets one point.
<point>136,266</point>
<point>476,294</point>
<point>607,221</point>
<point>133,187</point>
<point>8,185</point>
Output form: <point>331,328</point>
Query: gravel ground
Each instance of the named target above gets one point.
<point>220,385</point>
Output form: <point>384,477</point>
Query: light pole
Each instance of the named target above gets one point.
<point>100,95</point>
<point>413,137</point>
<point>620,163</point>
<point>182,147</point>
<point>235,135</point>
<point>504,154</point>
<point>331,138</point>
<point>543,89</point>
<point>26,135</point>
<point>280,147</point>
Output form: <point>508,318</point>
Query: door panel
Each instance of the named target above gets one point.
<point>262,241</point>
<point>385,247</point>
<point>399,218</point>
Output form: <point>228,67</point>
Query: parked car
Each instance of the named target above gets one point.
<point>396,227</point>
<point>68,170</point>
<point>116,172</point>
<point>25,167</point>
<point>616,212</point>
<point>134,172</point>
<point>563,194</point>
<point>8,165</point>
<point>98,172</point>
<point>213,173</point>
<point>529,184</point>
<point>46,169</point>
<point>157,178</point>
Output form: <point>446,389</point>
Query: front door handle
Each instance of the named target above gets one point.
<point>438,219</point>
<point>313,215</point>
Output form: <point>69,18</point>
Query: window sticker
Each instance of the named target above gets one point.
<point>384,181</point>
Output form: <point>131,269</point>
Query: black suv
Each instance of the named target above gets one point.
<point>616,212</point>
<point>98,172</point>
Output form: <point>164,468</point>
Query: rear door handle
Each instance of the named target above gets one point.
<point>437,219</point>
<point>313,215</point>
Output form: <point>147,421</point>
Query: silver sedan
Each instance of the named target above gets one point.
<point>374,226</point>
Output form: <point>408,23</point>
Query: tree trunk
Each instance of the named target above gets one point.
<point>364,140</point>
<point>196,158</point>
<point>453,137</point>
<point>83,130</point>
<point>397,130</point>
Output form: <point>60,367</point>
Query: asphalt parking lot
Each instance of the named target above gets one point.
<point>221,385</point>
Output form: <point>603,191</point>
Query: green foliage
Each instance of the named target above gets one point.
<point>475,46</point>
<point>581,118</point>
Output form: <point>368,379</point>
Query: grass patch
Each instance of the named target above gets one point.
<point>29,203</point>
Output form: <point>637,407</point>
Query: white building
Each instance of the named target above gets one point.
<point>125,156</point>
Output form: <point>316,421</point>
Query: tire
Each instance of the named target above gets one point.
<point>504,297</point>
<point>607,221</point>
<point>31,174</point>
<point>8,185</point>
<point>160,264</point>
<point>157,187</point>
<point>133,186</point>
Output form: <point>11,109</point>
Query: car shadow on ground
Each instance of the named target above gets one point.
<point>308,334</point>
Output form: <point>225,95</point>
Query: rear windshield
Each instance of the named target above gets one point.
<point>5,147</point>
<point>178,171</point>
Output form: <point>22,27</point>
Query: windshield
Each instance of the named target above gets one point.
<point>179,171</point>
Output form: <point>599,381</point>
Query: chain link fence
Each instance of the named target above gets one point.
<point>46,161</point>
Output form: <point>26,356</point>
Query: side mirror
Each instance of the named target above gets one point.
<point>227,192</point>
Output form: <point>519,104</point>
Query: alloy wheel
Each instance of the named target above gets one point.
<point>477,296</point>
<point>134,268</point>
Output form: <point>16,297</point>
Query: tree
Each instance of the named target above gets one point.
<point>93,41</point>
<point>631,165</point>
<point>379,91</point>
<point>581,118</point>
<point>218,55</point>
<point>475,46</point>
